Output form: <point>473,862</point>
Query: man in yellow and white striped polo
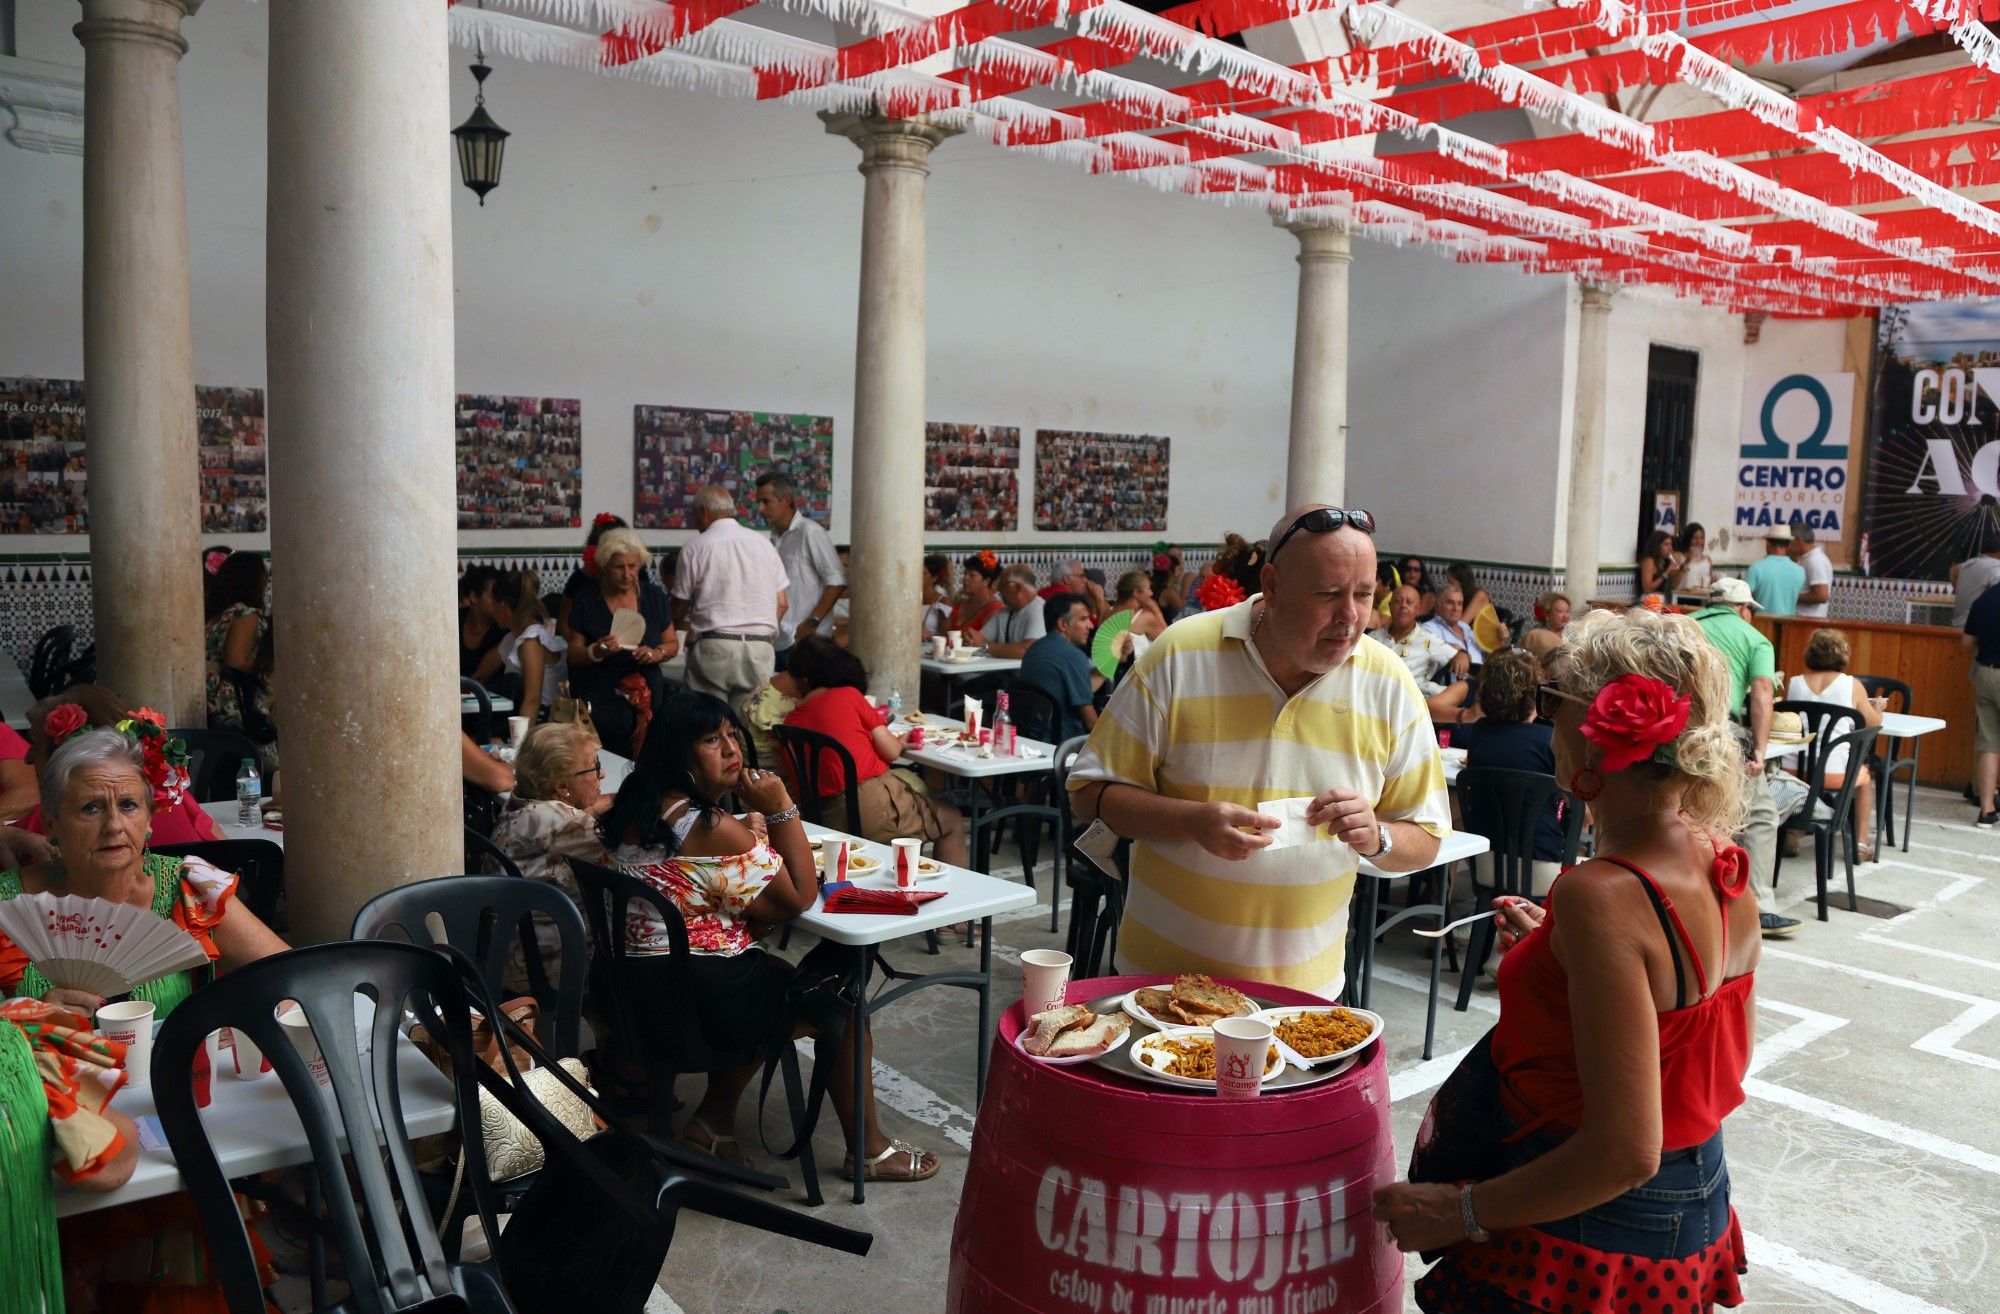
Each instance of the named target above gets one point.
<point>1281,696</point>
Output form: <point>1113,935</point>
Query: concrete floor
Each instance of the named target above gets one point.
<point>1866,1162</point>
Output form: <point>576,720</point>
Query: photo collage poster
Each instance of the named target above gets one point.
<point>235,494</point>
<point>520,462</point>
<point>679,450</point>
<point>972,477</point>
<point>1100,481</point>
<point>42,457</point>
<point>44,466</point>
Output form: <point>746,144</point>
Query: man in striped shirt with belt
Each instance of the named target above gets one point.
<point>1281,696</point>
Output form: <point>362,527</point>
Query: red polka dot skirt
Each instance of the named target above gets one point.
<point>1525,1271</point>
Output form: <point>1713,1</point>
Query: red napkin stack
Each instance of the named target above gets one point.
<point>851,898</point>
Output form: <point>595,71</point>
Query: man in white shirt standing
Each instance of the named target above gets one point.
<point>729,590</point>
<point>1819,571</point>
<point>815,581</point>
<point>1013,629</point>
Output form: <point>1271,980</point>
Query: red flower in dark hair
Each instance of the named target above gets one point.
<point>590,560</point>
<point>602,518</point>
<point>64,721</point>
<point>1219,592</point>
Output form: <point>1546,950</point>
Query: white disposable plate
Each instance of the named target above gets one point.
<point>1069,1060</point>
<point>1150,1045</point>
<point>1277,1015</point>
<point>1137,1011</point>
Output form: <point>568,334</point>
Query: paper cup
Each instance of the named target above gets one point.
<point>1044,980</point>
<point>1242,1049</point>
<point>130,1023</point>
<point>517,729</point>
<point>938,645</point>
<point>957,641</point>
<point>298,1028</point>
<point>833,859</point>
<point>906,855</point>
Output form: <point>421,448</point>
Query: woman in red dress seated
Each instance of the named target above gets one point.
<point>1574,1160</point>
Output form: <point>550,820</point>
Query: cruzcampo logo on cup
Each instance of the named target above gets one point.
<point>1044,980</point>
<point>1242,1052</point>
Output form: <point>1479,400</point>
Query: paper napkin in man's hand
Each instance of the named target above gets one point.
<point>1293,829</point>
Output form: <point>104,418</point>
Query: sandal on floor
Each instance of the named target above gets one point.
<point>720,1147</point>
<point>898,1163</point>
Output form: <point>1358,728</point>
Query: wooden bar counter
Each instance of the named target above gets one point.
<point>1928,658</point>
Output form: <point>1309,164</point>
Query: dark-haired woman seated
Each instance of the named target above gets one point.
<point>732,882</point>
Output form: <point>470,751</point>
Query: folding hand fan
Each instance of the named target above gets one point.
<point>96,945</point>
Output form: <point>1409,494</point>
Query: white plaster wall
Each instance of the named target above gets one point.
<point>1638,322</point>
<point>1458,408</point>
<point>652,246</point>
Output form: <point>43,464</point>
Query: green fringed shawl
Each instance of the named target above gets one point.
<point>30,1264</point>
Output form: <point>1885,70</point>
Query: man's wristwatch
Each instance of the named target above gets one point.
<point>1388,845</point>
<point>1473,1231</point>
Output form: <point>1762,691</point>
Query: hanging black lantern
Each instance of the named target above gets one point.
<point>480,140</point>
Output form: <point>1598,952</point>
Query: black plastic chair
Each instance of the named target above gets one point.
<point>1833,832</point>
<point>81,669</point>
<point>1506,807</point>
<point>607,895</point>
<point>259,866</point>
<point>478,724</point>
<point>46,663</point>
<point>214,758</point>
<point>802,749</point>
<point>489,917</point>
<point>1034,710</point>
<point>387,1241</point>
<point>984,837</point>
<point>1888,764</point>
<point>492,858</point>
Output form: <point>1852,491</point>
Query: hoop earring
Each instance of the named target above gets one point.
<point>1586,792</point>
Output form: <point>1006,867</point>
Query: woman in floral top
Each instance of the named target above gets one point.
<point>732,881</point>
<point>237,629</point>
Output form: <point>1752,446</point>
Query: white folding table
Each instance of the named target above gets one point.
<point>254,1129</point>
<point>1363,932</point>
<point>1903,725</point>
<point>968,896</point>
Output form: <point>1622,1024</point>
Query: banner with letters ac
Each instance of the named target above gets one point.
<point>1933,484</point>
<point>1792,462</point>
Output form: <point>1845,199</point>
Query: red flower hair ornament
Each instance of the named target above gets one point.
<point>1219,592</point>
<point>1633,718</point>
<point>64,721</point>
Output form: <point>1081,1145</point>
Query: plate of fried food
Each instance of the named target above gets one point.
<point>1194,1000</point>
<point>1185,1056</point>
<point>1322,1034</point>
<point>1072,1034</point>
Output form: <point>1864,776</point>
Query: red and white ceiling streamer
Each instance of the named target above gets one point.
<point>1750,199</point>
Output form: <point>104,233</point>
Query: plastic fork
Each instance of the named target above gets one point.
<point>1449,927</point>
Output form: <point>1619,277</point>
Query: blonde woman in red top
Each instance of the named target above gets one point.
<point>1574,1160</point>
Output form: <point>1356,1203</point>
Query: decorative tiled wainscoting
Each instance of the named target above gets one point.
<point>37,593</point>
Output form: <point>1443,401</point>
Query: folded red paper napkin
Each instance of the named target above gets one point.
<point>850,898</point>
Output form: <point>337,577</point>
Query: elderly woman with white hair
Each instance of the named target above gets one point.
<point>550,818</point>
<point>99,792</point>
<point>619,632</point>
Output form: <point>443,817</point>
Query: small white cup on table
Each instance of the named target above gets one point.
<point>517,730</point>
<point>1044,980</point>
<point>130,1023</point>
<point>907,854</point>
<point>1242,1052</point>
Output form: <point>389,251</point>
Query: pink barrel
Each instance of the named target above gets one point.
<point>1092,1192</point>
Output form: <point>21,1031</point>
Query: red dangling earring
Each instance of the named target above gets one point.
<point>1581,790</point>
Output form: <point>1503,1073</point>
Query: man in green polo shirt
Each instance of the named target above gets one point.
<point>1752,667</point>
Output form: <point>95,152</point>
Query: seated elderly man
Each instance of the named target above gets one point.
<point>1451,625</point>
<point>1438,668</point>
<point>1013,629</point>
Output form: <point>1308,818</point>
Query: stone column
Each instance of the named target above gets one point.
<point>1586,463</point>
<point>888,473</point>
<point>138,360</point>
<point>1316,469</point>
<point>358,331</point>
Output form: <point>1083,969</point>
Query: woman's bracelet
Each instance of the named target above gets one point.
<point>780,818</point>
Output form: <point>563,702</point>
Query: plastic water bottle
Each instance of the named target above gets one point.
<point>1003,729</point>
<point>249,794</point>
<point>895,704</point>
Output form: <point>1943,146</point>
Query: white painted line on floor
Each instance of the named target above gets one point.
<point>1425,1076</point>
<point>1904,946</point>
<point>1882,978</point>
<point>911,1098</point>
<point>1447,988</point>
<point>1810,1027</point>
<point>1868,1124</point>
<point>661,1303</point>
<point>1956,852</point>
<point>1964,826</point>
<point>1021,914</point>
<point>1840,1283</point>
<point>1944,1041</point>
<point>1953,877</point>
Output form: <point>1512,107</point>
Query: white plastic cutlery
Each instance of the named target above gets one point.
<point>1449,927</point>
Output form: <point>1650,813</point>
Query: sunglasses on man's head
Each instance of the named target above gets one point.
<point>1325,520</point>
